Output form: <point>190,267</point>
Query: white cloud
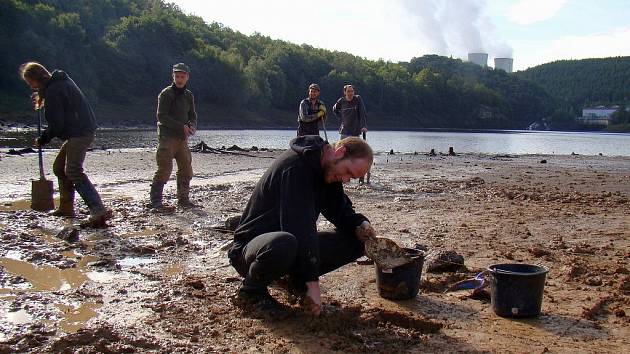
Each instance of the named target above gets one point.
<point>526,12</point>
<point>614,42</point>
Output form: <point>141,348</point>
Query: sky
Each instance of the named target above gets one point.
<point>533,32</point>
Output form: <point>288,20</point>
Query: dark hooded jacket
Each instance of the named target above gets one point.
<point>67,111</point>
<point>289,197</point>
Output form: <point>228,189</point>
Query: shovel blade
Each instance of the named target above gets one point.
<point>42,195</point>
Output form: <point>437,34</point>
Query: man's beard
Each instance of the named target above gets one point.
<point>329,170</point>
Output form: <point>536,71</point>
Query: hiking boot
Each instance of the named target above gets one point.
<point>98,220</point>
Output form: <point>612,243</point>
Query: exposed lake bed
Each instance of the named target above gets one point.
<point>162,283</point>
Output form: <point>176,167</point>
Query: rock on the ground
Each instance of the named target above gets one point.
<point>444,261</point>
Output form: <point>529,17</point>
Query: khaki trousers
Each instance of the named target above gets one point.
<point>169,149</point>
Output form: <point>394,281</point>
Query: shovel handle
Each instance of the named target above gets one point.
<point>39,148</point>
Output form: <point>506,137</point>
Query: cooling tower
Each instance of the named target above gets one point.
<point>504,64</point>
<point>478,58</point>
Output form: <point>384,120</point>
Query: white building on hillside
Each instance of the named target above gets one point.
<point>597,116</point>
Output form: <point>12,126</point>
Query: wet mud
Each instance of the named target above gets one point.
<point>162,283</point>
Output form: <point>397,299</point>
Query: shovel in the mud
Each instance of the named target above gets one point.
<point>385,252</point>
<point>42,189</point>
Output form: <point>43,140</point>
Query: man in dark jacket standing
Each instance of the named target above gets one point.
<point>278,236</point>
<point>71,119</point>
<point>176,121</point>
<point>311,112</point>
<point>352,111</point>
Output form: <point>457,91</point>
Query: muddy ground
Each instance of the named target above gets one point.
<point>162,283</point>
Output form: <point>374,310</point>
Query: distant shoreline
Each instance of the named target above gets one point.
<point>8,126</point>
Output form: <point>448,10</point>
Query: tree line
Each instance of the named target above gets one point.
<point>120,53</point>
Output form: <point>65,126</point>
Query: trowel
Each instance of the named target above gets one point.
<point>42,189</point>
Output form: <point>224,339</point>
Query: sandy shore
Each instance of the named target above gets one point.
<point>161,283</point>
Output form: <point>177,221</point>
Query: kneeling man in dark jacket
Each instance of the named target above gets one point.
<point>278,235</point>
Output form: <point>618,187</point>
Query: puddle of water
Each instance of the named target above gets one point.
<point>18,317</point>
<point>141,233</point>
<point>14,254</point>
<point>136,261</point>
<point>21,204</point>
<point>76,318</point>
<point>45,278</point>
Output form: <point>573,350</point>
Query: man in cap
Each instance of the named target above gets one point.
<point>71,119</point>
<point>176,121</point>
<point>311,112</point>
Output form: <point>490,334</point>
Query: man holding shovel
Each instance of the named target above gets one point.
<point>311,112</point>
<point>176,121</point>
<point>277,235</point>
<point>353,116</point>
<point>71,119</point>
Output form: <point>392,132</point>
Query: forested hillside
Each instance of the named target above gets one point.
<point>120,52</point>
<point>584,82</point>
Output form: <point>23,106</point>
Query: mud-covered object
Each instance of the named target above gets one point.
<point>69,234</point>
<point>386,253</point>
<point>444,261</point>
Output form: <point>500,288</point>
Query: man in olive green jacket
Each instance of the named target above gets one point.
<point>176,121</point>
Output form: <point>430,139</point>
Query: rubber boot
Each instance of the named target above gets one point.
<point>66,200</point>
<point>183,195</point>
<point>98,213</point>
<point>155,196</point>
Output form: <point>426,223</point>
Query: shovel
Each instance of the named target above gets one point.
<point>367,178</point>
<point>42,189</point>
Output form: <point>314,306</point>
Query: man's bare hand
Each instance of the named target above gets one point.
<point>187,131</point>
<point>363,130</point>
<point>36,143</point>
<point>365,231</point>
<point>312,302</point>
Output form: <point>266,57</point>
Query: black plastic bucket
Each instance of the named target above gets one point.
<point>516,290</point>
<point>401,282</point>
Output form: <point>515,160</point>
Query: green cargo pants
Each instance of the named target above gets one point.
<point>169,149</point>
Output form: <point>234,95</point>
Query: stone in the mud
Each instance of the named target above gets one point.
<point>69,234</point>
<point>231,223</point>
<point>594,281</point>
<point>624,285</point>
<point>543,161</point>
<point>538,251</point>
<point>622,270</point>
<point>444,261</point>
<point>421,247</point>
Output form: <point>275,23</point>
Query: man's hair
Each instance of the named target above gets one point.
<point>356,148</point>
<point>34,71</point>
<point>345,87</point>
